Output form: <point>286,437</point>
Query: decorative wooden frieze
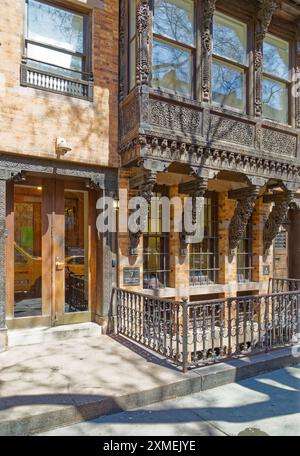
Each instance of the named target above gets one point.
<point>129,117</point>
<point>175,117</point>
<point>276,217</point>
<point>143,24</point>
<point>264,16</point>
<point>279,142</point>
<point>146,192</point>
<point>246,198</point>
<point>226,129</point>
<point>208,9</point>
<point>168,151</point>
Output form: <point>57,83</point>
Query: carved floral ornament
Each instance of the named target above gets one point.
<point>168,150</point>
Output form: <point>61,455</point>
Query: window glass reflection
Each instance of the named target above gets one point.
<point>275,100</point>
<point>276,57</point>
<point>27,251</point>
<point>230,38</point>
<point>175,19</point>
<point>228,86</point>
<point>171,67</point>
<point>76,251</point>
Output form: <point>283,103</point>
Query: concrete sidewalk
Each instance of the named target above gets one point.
<point>55,384</point>
<point>267,404</point>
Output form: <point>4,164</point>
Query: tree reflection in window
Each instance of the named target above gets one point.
<point>230,62</point>
<point>173,45</point>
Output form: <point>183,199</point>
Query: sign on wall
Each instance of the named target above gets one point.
<point>131,276</point>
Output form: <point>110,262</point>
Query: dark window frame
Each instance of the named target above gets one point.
<point>211,272</point>
<point>244,273</point>
<point>161,239</point>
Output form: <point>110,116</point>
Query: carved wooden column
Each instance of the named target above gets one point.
<point>296,93</point>
<point>195,189</point>
<point>246,198</point>
<point>294,242</point>
<point>277,216</point>
<point>264,17</point>
<point>208,9</point>
<point>144,30</point>
<point>146,192</point>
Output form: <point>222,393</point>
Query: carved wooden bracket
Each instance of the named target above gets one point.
<point>246,198</point>
<point>264,17</point>
<point>146,192</point>
<point>143,24</point>
<point>276,217</point>
<point>195,189</point>
<point>209,7</point>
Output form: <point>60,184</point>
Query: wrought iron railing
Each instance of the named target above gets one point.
<point>281,285</point>
<point>199,333</point>
<point>53,82</point>
<point>75,293</point>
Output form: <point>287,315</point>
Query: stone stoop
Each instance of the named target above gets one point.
<point>20,337</point>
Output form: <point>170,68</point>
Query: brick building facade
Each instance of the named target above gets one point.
<point>58,130</point>
<point>166,97</point>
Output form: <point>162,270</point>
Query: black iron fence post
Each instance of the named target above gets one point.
<point>185,336</point>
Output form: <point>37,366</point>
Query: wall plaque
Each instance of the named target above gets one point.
<point>266,270</point>
<point>131,276</point>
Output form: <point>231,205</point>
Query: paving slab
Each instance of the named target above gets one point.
<point>266,405</point>
<point>64,382</point>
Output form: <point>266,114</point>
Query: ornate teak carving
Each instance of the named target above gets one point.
<point>246,198</point>
<point>169,150</point>
<point>143,30</point>
<point>145,191</point>
<point>276,217</point>
<point>297,77</point>
<point>264,17</point>
<point>209,7</point>
<point>195,189</point>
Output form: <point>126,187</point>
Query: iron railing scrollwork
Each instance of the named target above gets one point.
<point>195,334</point>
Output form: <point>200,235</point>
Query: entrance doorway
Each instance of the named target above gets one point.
<point>51,231</point>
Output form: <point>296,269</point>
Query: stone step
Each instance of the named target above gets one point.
<point>19,337</point>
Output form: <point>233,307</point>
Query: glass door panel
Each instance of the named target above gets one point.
<point>27,251</point>
<point>76,251</point>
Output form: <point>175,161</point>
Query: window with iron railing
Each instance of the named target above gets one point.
<point>204,258</point>
<point>245,256</point>
<point>56,49</point>
<point>156,249</point>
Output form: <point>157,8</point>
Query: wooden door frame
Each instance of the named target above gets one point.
<point>52,224</point>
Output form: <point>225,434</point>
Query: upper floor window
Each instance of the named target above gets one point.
<point>230,62</point>
<point>276,79</point>
<point>56,39</point>
<point>173,46</point>
<point>132,43</point>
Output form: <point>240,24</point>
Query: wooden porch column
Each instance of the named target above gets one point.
<point>294,244</point>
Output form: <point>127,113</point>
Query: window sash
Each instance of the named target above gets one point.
<point>244,74</point>
<point>41,44</point>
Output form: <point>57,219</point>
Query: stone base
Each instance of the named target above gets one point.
<point>3,339</point>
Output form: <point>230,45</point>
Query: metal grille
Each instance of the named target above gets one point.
<point>204,258</point>
<point>194,334</point>
<point>156,252</point>
<point>244,256</point>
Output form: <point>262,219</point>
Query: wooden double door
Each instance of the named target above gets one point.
<point>50,253</point>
